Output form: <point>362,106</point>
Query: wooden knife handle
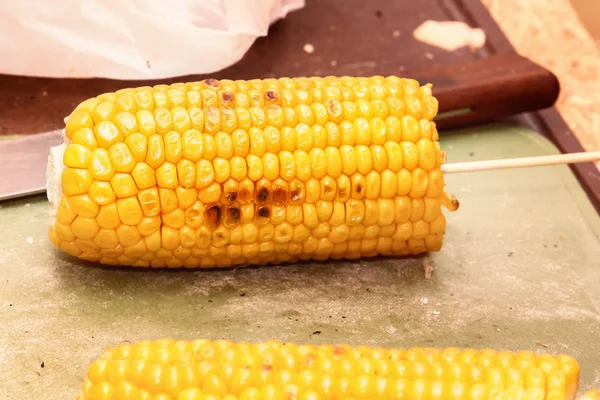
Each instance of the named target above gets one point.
<point>489,88</point>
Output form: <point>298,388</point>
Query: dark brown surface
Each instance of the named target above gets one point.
<point>349,37</point>
<point>495,86</point>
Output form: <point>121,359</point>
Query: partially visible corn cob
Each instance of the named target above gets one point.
<point>592,394</point>
<point>193,370</point>
<point>228,173</point>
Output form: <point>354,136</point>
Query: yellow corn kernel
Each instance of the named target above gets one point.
<point>100,165</point>
<point>192,145</point>
<point>156,151</point>
<point>144,176</point>
<point>163,120</point>
<point>173,147</point>
<point>102,193</point>
<point>85,137</point>
<point>239,169</point>
<point>410,155</point>
<point>106,239</point>
<point>166,175</point>
<point>84,206</point>
<point>349,159</point>
<point>338,214</point>
<point>405,182</point>
<point>78,119</point>
<point>76,156</point>
<point>123,185</point>
<point>108,217</point>
<point>149,225</point>
<point>146,123</point>
<point>130,211</point>
<point>175,219</point>
<point>333,161</point>
<point>85,228</point>
<point>107,134</point>
<point>138,145</point>
<point>420,182</point>
<point>210,194</point>
<point>64,214</point>
<point>389,184</point>
<point>222,169</point>
<point>205,174</point>
<point>373,183</point>
<point>186,197</point>
<point>344,188</point>
<point>76,181</point>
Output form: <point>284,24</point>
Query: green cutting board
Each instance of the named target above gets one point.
<point>520,269</point>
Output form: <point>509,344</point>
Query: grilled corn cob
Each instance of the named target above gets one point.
<point>201,369</point>
<point>229,173</point>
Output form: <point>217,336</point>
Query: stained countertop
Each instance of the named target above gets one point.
<point>551,33</point>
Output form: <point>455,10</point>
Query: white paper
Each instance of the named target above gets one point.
<point>131,39</point>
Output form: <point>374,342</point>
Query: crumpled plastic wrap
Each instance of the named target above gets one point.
<point>131,39</point>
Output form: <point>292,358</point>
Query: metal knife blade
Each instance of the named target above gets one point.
<point>24,160</point>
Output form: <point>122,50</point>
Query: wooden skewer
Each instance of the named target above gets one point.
<point>489,165</point>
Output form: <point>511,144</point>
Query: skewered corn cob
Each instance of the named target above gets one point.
<point>201,369</point>
<point>228,173</point>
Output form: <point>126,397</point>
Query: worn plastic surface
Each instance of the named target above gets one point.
<point>520,269</point>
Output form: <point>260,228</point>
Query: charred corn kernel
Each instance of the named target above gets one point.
<point>312,167</point>
<point>328,188</point>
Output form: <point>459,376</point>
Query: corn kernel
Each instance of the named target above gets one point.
<point>156,151</point>
<point>76,156</point>
<point>84,206</point>
<point>76,181</point>
<point>166,175</point>
<point>101,166</point>
<point>222,169</point>
<point>102,193</point>
<point>130,211</point>
<point>85,137</point>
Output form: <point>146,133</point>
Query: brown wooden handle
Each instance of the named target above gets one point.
<point>489,88</point>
